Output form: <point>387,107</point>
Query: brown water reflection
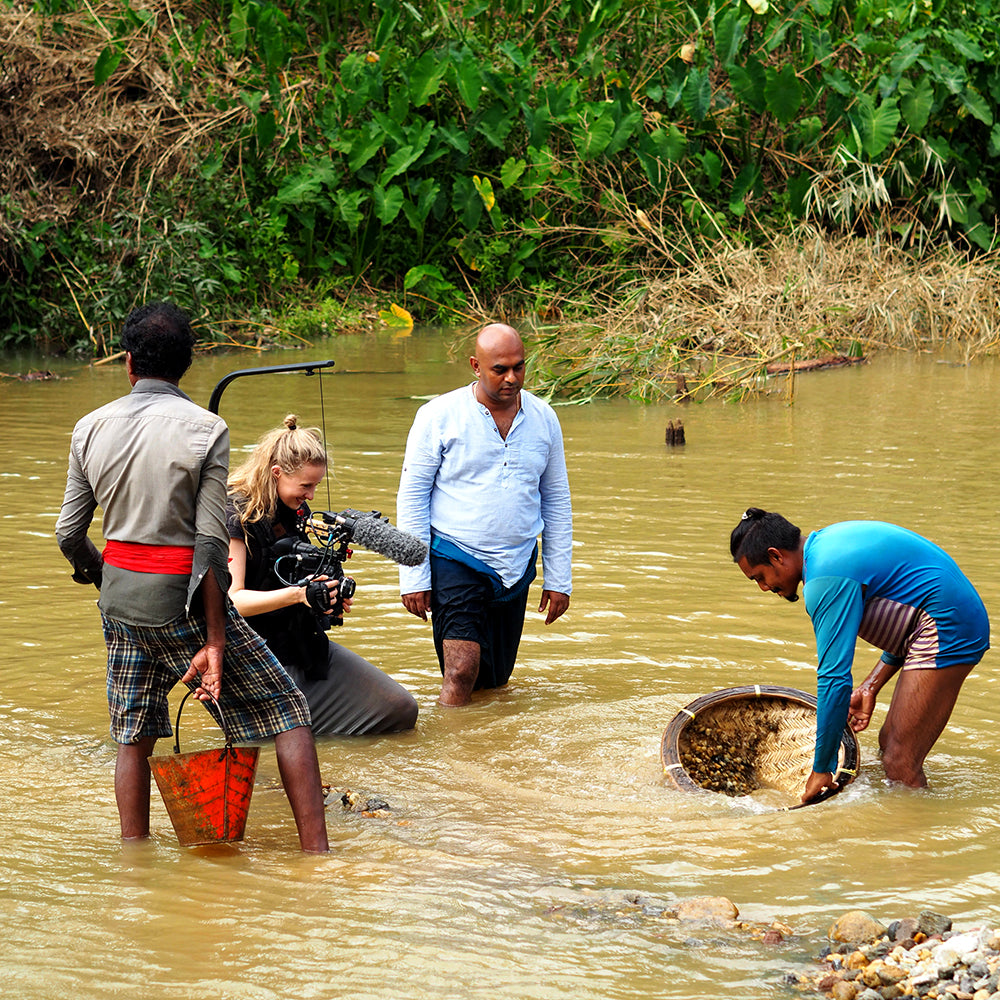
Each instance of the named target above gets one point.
<point>512,817</point>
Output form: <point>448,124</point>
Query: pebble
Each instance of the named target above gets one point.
<point>919,957</point>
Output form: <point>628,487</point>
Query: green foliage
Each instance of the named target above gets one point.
<point>460,152</point>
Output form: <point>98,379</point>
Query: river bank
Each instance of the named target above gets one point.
<point>920,956</point>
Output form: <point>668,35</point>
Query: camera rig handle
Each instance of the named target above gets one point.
<point>309,367</point>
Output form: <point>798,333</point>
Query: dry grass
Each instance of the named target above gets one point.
<point>715,325</point>
<point>65,141</point>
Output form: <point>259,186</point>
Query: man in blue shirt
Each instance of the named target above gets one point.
<point>484,475</point>
<point>897,591</point>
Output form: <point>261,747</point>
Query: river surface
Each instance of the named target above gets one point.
<point>522,828</point>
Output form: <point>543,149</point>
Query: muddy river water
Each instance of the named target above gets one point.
<point>520,828</point>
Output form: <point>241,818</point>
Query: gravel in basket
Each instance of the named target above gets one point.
<point>738,740</point>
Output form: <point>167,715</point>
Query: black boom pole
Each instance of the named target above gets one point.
<point>309,367</point>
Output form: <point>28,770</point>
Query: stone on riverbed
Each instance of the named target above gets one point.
<point>716,909</point>
<point>906,962</point>
<point>856,926</point>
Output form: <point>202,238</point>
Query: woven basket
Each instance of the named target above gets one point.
<point>738,740</point>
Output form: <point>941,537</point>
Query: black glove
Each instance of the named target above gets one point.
<point>87,564</point>
<point>318,596</point>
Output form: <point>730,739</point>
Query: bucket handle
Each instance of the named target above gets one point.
<point>177,724</point>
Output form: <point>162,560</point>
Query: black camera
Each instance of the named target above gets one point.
<point>298,563</point>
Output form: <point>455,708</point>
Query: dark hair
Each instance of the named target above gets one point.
<point>159,338</point>
<point>758,531</point>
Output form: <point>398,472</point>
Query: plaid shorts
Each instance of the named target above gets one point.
<point>258,699</point>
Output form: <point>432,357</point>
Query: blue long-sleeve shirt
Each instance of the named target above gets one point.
<point>874,580</point>
<point>491,496</point>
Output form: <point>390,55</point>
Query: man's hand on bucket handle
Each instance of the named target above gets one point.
<point>206,669</point>
<point>206,664</point>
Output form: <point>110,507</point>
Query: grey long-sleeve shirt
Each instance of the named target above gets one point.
<point>156,463</point>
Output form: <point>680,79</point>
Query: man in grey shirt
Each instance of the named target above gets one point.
<point>156,463</point>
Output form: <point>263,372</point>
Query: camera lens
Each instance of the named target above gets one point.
<point>347,588</point>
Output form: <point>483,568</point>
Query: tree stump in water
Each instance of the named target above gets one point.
<point>674,434</point>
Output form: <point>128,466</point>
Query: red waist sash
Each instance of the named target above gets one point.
<point>139,558</point>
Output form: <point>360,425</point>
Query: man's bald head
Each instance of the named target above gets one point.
<point>499,366</point>
<point>498,337</point>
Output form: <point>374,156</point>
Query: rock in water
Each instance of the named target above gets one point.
<point>715,908</point>
<point>854,927</point>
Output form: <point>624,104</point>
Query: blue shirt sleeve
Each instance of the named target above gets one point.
<point>835,605</point>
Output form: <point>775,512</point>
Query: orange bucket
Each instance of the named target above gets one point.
<point>207,793</point>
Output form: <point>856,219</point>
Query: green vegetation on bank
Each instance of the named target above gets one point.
<point>271,166</point>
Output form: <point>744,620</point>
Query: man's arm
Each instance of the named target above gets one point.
<point>75,516</point>
<point>835,606</point>
<point>864,695</point>
<point>413,508</point>
<point>210,573</point>
<point>206,664</point>
<point>211,539</point>
<point>557,530</point>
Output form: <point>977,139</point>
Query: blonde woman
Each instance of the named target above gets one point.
<point>268,500</point>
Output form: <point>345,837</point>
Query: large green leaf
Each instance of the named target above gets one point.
<point>745,182</point>
<point>107,63</point>
<point>495,126</point>
<point>511,171</point>
<point>562,100</point>
<point>267,129</point>
<point>543,164</point>
<point>538,124</point>
<point>748,84</point>
<point>942,71</point>
<point>993,147</point>
<point>966,46</point>
<point>388,201</point>
<point>421,201</point>
<point>670,144</point>
<point>876,126</point>
<point>386,27</point>
<point>364,146</point>
<point>977,105</point>
<point>882,127</point>
<point>466,203</point>
<point>783,92</point>
<point>349,206</point>
<point>697,96</point>
<point>916,101</point>
<point>730,31</point>
<point>305,184</point>
<point>415,275</point>
<point>407,155</point>
<point>592,136</point>
<point>712,165</point>
<point>425,78</point>
<point>468,80</point>
<point>627,131</point>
